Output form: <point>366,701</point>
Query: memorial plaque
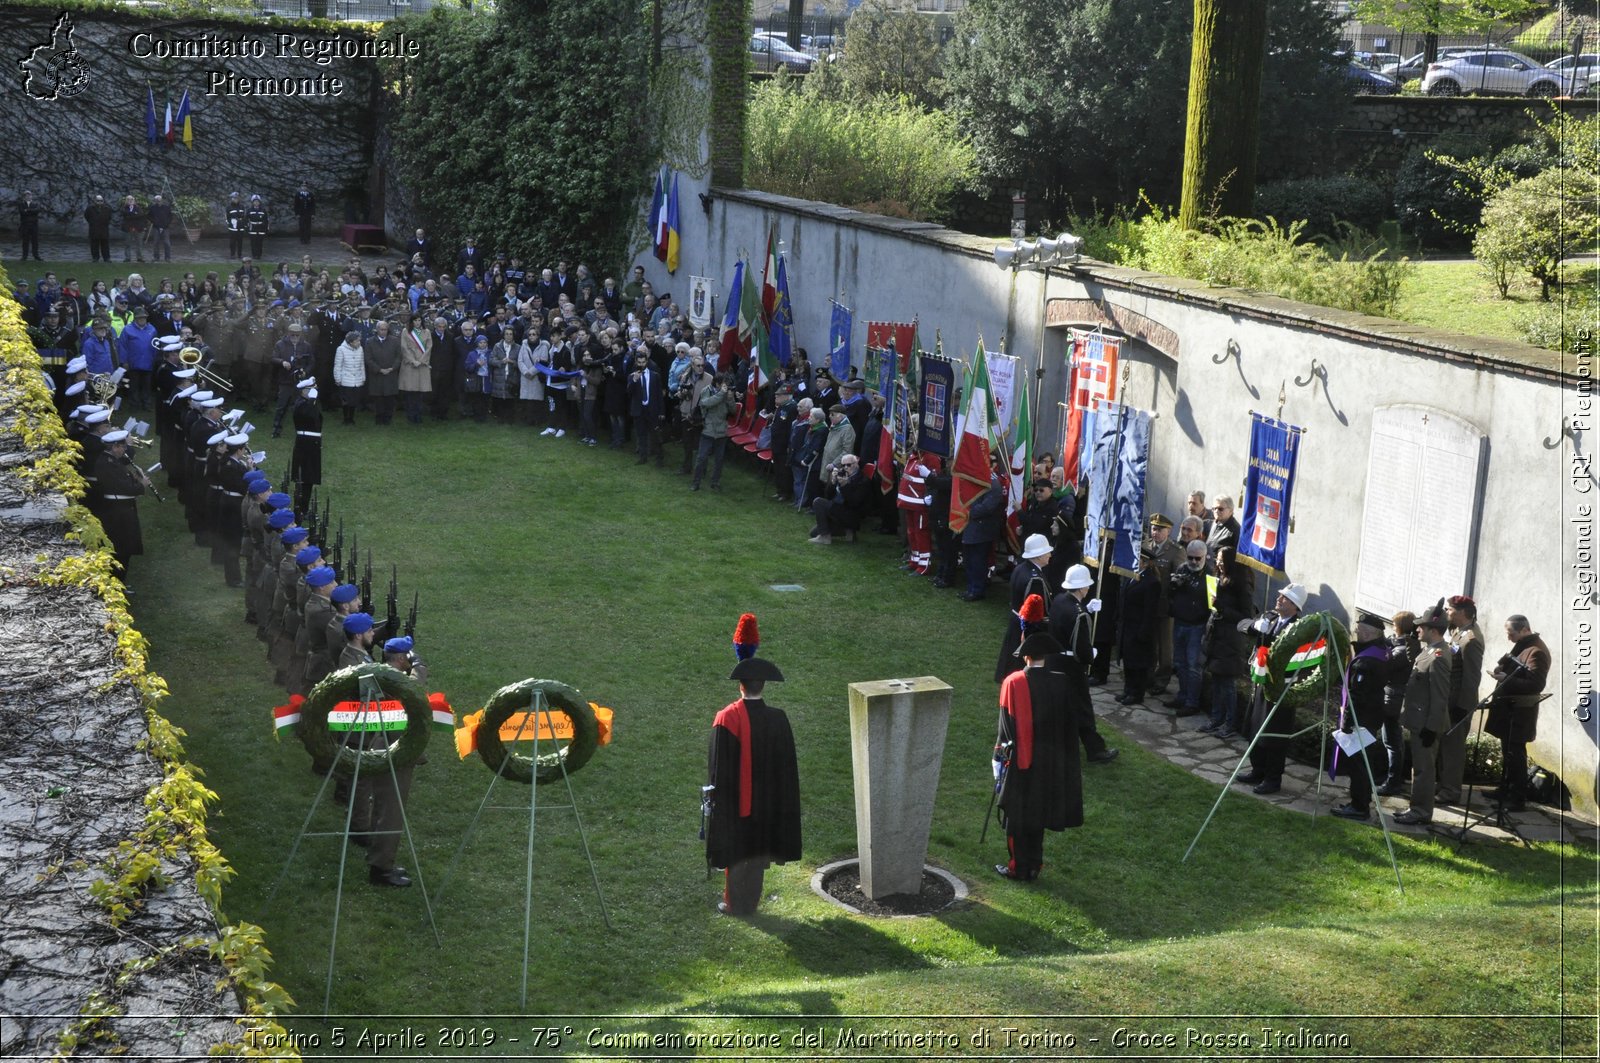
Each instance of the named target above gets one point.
<point>1419,531</point>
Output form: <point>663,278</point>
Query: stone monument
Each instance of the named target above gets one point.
<point>897,729</point>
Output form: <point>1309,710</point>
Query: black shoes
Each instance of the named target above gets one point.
<point>388,876</point>
<point>1105,756</point>
<point>357,838</point>
<point>1391,789</point>
<point>1251,778</point>
<point>1268,786</point>
<point>1350,812</point>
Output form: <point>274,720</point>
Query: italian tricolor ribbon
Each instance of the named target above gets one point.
<point>1308,656</point>
<point>385,715</point>
<point>286,716</point>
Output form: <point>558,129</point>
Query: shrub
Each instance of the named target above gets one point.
<point>1564,322</point>
<point>1531,225</point>
<point>1324,202</point>
<point>888,154</point>
<point>1435,201</point>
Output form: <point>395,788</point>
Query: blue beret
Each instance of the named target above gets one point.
<point>356,623</point>
<point>320,576</point>
<point>307,555</point>
<point>294,535</point>
<point>402,644</point>
<point>254,475</point>
<point>280,519</point>
<point>279,500</point>
<point>346,592</point>
<point>258,486</point>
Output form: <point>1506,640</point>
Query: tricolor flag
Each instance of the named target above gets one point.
<point>674,233</point>
<point>1021,463</point>
<point>150,131</point>
<point>166,130</point>
<point>386,715</point>
<point>970,470</point>
<point>753,331</point>
<point>733,340</point>
<point>1308,656</point>
<point>769,278</point>
<point>658,218</point>
<point>1258,665</point>
<point>185,122</point>
<point>284,717</point>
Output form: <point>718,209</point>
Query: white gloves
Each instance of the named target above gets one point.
<point>1092,605</point>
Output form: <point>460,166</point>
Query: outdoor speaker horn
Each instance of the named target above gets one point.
<point>1047,250</point>
<point>1026,252</point>
<point>1004,257</point>
<point>1071,246</point>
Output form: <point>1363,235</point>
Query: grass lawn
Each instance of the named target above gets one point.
<point>538,557</point>
<point>1455,294</point>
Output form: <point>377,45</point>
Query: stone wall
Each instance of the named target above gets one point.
<point>93,140</point>
<point>1201,358</point>
<point>1378,131</point>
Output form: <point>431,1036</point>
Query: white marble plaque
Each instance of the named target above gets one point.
<point>1419,530</point>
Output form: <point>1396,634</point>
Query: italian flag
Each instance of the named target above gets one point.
<point>762,363</point>
<point>1308,656</point>
<point>444,718</point>
<point>971,466</point>
<point>371,716</point>
<point>769,278</point>
<point>284,717</point>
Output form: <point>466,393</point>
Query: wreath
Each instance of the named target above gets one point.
<point>519,697</point>
<point>345,685</point>
<point>1306,630</point>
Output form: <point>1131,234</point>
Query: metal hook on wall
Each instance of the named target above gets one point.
<point>1566,433</point>
<point>1231,351</point>
<point>1317,372</point>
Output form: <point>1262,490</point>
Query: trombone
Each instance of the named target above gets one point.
<point>190,356</point>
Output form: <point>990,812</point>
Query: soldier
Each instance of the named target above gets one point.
<point>119,483</point>
<point>377,817</point>
<point>236,215</point>
<point>1466,675</point>
<point>278,521</point>
<point>1426,712</point>
<point>305,208</point>
<point>293,365</point>
<point>306,461</point>
<point>256,223</point>
<point>253,513</point>
<point>1166,557</point>
<point>313,644</point>
<point>345,599</point>
<point>285,623</point>
<point>28,225</point>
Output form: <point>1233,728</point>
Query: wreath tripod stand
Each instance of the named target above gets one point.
<point>534,698</point>
<point>368,716</point>
<point>1328,631</point>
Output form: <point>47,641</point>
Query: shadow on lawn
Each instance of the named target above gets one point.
<point>838,945</point>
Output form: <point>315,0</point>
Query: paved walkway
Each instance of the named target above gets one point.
<point>208,250</point>
<point>1176,738</point>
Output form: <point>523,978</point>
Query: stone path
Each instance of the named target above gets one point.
<point>209,250</point>
<point>1176,738</point>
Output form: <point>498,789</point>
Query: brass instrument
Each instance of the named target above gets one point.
<point>103,386</point>
<point>191,357</point>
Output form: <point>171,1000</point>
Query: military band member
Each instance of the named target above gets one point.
<point>119,484</point>
<point>306,461</point>
<point>231,472</point>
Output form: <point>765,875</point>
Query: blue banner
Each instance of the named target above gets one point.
<point>1268,488</point>
<point>839,341</point>
<point>780,337</point>
<point>937,408</point>
<point>1119,462</point>
<point>886,368</point>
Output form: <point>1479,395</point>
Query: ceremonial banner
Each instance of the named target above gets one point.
<point>658,216</point>
<point>970,469</point>
<point>736,325</point>
<point>674,239</point>
<point>769,279</point>
<point>1021,454</point>
<point>885,375</point>
<point>1121,459</point>
<point>885,455</point>
<point>839,340</point>
<point>780,336</point>
<point>1268,489</point>
<point>700,300</point>
<point>938,393</point>
<point>1003,383</point>
<point>1092,377</point>
<point>904,335</point>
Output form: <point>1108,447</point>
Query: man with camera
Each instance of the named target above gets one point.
<point>843,503</point>
<point>1520,677</point>
<point>717,405</point>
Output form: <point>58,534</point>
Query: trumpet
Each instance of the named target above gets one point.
<point>190,356</point>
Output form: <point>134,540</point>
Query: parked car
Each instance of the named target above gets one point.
<point>1414,67</point>
<point>1576,69</point>
<point>1365,82</point>
<point>770,52</point>
<point>1378,60</point>
<point>1492,72</point>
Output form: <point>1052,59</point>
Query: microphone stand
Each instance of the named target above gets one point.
<point>1496,815</point>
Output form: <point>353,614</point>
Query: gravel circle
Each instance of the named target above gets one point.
<point>843,884</point>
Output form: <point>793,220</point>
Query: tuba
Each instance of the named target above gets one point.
<point>190,356</point>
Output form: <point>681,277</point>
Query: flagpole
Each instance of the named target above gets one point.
<point>1038,371</point>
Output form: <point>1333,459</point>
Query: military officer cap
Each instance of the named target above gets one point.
<point>346,592</point>
<point>184,374</point>
<point>294,535</point>
<point>755,668</point>
<point>238,439</point>
<point>97,417</point>
<point>78,364</point>
<point>402,644</point>
<point>279,520</point>
<point>77,387</point>
<point>1160,520</point>
<point>357,623</point>
<point>188,392</point>
<point>1039,644</point>
<point>1372,620</point>
<point>217,437</point>
<point>119,436</point>
<point>1434,617</point>
<point>320,576</point>
<point>212,404</point>
<point>308,382</point>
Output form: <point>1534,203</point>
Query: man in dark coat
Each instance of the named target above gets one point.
<point>1041,780</point>
<point>1069,624</point>
<point>1268,755</point>
<point>28,210</point>
<point>1137,631</point>
<point>305,208</point>
<point>98,215</point>
<point>783,417</point>
<point>382,353</point>
<point>843,504</point>
<point>985,519</point>
<point>1365,679</point>
<point>753,792</point>
<point>306,460</point>
<point>235,215</point>
<point>1027,578</point>
<point>1520,677</point>
<point>647,405</point>
<point>118,484</point>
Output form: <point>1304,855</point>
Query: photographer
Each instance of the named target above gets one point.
<point>717,406</point>
<point>692,385</point>
<point>843,503</point>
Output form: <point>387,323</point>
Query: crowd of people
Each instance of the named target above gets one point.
<point>566,355</point>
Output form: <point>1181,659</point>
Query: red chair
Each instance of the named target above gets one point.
<point>747,439</point>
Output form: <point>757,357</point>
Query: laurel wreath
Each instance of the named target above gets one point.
<point>1306,629</point>
<point>345,685</point>
<point>519,697</point>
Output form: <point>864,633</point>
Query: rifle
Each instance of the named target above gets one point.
<point>288,474</point>
<point>366,582</point>
<point>355,559</point>
<point>322,529</point>
<point>411,621</point>
<point>338,547</point>
<point>391,626</point>
<point>311,517</point>
<point>1003,755</point>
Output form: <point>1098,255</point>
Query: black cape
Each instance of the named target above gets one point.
<point>772,830</point>
<point>1049,793</point>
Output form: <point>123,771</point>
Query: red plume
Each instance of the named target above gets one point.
<point>745,637</point>
<point>1032,610</point>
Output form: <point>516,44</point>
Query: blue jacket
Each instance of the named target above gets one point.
<point>136,345</point>
<point>986,516</point>
<point>101,355</point>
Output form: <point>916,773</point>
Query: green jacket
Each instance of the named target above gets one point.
<point>717,406</point>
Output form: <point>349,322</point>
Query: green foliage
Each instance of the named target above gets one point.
<point>1565,323</point>
<point>1324,202</point>
<point>892,53</point>
<point>195,211</point>
<point>728,47</point>
<point>888,155</point>
<point>1353,274</point>
<point>1443,16</point>
<point>1086,101</point>
<point>525,127</point>
<point>1437,203</point>
<point>1531,225</point>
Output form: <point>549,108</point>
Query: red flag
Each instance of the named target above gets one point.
<point>885,455</point>
<point>904,334</point>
